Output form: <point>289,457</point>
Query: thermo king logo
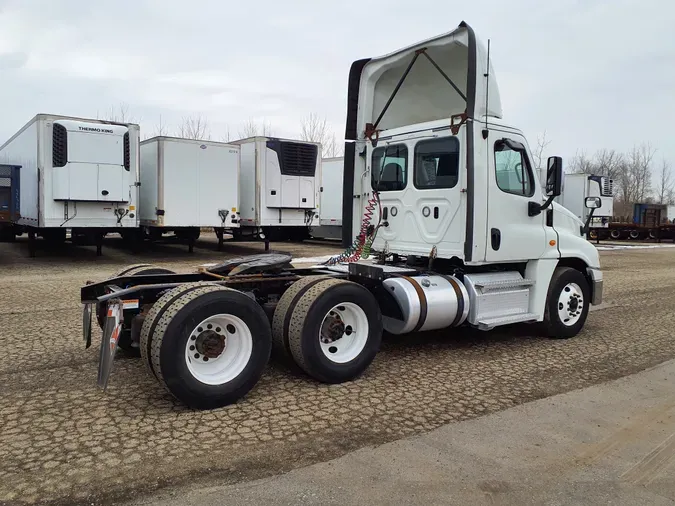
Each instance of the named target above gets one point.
<point>96,129</point>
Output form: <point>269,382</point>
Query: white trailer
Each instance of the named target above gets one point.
<point>187,185</point>
<point>330,208</point>
<point>279,186</point>
<point>78,174</point>
<point>577,187</point>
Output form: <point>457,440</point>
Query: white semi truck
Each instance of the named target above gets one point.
<point>187,185</point>
<point>442,199</point>
<point>76,174</point>
<point>278,187</point>
<point>329,225</point>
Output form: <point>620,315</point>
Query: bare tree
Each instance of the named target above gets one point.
<point>252,129</point>
<point>161,128</point>
<point>582,163</point>
<point>538,154</point>
<point>194,127</point>
<point>120,114</point>
<point>227,137</point>
<point>315,129</point>
<point>665,188</point>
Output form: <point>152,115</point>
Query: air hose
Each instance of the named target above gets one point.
<point>363,242</point>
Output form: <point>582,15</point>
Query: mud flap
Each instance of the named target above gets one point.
<point>86,325</point>
<point>111,335</point>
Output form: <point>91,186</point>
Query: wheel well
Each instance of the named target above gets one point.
<point>580,265</point>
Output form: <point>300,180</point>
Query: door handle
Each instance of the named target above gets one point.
<point>495,238</point>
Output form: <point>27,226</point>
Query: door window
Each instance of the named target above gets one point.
<point>512,168</point>
<point>437,163</point>
<point>390,168</point>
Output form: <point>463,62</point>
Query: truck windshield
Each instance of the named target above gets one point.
<point>390,168</point>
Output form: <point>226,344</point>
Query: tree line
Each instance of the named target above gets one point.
<point>637,175</point>
<point>313,128</point>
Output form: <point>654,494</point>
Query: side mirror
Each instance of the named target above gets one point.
<point>554,176</point>
<point>592,202</point>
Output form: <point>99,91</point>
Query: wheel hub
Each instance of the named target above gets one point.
<point>332,329</point>
<point>210,344</point>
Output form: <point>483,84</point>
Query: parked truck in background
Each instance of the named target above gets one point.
<point>329,225</point>
<point>278,187</point>
<point>76,174</point>
<point>439,193</point>
<point>187,185</point>
<point>577,187</point>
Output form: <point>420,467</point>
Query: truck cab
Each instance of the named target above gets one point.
<point>436,173</point>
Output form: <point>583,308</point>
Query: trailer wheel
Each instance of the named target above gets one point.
<point>210,347</point>
<point>157,311</point>
<point>125,342</point>
<point>567,303</point>
<point>335,330</point>
<point>634,234</point>
<point>283,312</point>
<point>615,234</point>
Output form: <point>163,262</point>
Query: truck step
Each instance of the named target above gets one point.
<point>495,321</point>
<point>503,283</point>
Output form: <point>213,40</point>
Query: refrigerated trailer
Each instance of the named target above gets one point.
<point>279,185</point>
<point>330,208</point>
<point>442,191</point>
<point>575,189</point>
<point>76,174</point>
<point>187,185</point>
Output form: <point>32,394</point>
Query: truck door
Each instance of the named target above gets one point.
<point>512,235</point>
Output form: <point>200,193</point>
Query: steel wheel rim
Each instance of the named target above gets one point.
<point>347,325</point>
<point>570,304</point>
<point>205,359</point>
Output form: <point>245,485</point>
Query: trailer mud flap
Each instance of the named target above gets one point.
<point>86,325</point>
<point>111,336</point>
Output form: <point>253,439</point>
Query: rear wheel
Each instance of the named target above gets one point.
<point>335,330</point>
<point>157,311</point>
<point>210,347</point>
<point>567,303</point>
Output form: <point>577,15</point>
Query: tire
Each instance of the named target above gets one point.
<point>156,312</point>
<point>348,358</point>
<point>125,342</point>
<point>634,234</point>
<point>554,324</point>
<point>246,351</point>
<point>282,316</point>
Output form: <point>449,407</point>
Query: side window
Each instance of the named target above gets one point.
<point>390,168</point>
<point>437,163</point>
<point>512,169</point>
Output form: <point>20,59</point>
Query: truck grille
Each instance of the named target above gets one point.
<point>127,152</point>
<point>59,146</point>
<point>295,158</point>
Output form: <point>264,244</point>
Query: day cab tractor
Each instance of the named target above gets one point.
<point>445,221</point>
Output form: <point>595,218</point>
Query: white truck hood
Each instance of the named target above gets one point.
<point>425,94</point>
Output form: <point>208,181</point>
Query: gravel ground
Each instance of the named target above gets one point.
<point>65,441</point>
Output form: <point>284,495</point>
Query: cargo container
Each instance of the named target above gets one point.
<point>330,208</point>
<point>187,185</point>
<point>9,201</point>
<point>76,174</point>
<point>279,185</point>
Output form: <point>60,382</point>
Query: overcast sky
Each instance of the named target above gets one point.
<point>593,74</point>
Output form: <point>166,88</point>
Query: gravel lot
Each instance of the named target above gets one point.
<point>64,441</point>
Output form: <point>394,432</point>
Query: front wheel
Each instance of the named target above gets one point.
<point>567,303</point>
